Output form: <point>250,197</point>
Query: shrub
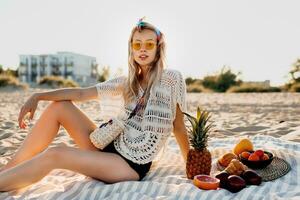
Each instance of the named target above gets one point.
<point>104,74</point>
<point>11,81</point>
<point>57,81</point>
<point>194,88</point>
<point>253,88</point>
<point>221,82</point>
<point>295,72</point>
<point>293,84</point>
<point>1,69</point>
<point>190,81</point>
<point>295,87</point>
<point>197,88</point>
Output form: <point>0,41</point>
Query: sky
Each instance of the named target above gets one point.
<point>259,38</point>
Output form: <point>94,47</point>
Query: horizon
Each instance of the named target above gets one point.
<point>258,39</point>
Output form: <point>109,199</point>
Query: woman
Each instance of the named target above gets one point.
<point>130,155</point>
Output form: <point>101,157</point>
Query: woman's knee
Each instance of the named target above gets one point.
<point>54,154</point>
<point>59,105</point>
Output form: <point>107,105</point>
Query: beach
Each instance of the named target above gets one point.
<point>274,114</point>
<point>234,115</point>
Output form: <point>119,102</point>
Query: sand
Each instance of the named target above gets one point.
<point>275,114</point>
<point>272,114</point>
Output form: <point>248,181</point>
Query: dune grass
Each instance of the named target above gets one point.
<point>252,88</point>
<point>197,88</point>
<point>295,87</point>
<point>57,82</point>
<point>11,81</point>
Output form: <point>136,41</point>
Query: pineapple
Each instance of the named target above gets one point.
<point>199,157</point>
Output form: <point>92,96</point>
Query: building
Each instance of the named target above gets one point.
<point>80,68</point>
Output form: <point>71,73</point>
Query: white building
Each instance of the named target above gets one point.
<point>80,68</point>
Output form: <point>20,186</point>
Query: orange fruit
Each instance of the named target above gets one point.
<point>265,157</point>
<point>243,145</point>
<point>253,157</point>
<point>206,182</point>
<point>245,154</point>
<point>226,159</point>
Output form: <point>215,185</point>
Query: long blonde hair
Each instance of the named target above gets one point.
<point>134,70</point>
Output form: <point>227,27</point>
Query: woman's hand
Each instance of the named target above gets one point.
<point>29,107</point>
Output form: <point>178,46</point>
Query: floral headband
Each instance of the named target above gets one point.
<point>142,24</point>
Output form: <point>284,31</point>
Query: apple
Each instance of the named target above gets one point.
<point>259,153</point>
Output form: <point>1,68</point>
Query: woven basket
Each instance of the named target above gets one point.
<point>276,169</point>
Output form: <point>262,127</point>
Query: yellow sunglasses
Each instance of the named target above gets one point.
<point>148,45</point>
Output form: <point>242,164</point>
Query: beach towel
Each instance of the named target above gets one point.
<point>167,179</point>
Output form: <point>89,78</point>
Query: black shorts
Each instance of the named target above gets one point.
<point>141,169</point>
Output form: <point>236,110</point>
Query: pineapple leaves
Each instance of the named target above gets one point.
<point>192,120</point>
<point>200,128</point>
<point>198,113</point>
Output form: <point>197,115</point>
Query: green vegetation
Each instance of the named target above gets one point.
<point>295,72</point>
<point>294,83</point>
<point>195,85</point>
<point>11,81</point>
<point>221,82</point>
<point>190,81</point>
<point>195,88</point>
<point>253,88</point>
<point>9,71</point>
<point>8,79</point>
<point>104,74</point>
<point>295,87</point>
<point>57,82</point>
<point>227,81</point>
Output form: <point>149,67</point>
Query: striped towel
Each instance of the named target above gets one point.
<point>167,179</point>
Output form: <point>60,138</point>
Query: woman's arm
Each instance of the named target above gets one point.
<point>73,94</point>
<point>180,133</point>
<point>110,87</point>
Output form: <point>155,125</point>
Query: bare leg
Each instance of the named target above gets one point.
<point>24,174</point>
<point>64,113</point>
<point>107,167</point>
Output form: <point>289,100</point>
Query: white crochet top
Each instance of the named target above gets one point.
<point>146,133</point>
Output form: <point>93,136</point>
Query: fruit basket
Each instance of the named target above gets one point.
<point>237,169</point>
<point>259,163</point>
<point>246,166</point>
